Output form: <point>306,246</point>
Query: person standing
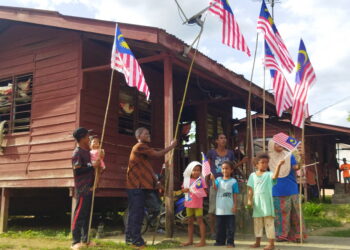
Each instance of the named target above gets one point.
<point>84,174</point>
<point>141,180</point>
<point>346,174</point>
<point>216,158</point>
<point>285,195</point>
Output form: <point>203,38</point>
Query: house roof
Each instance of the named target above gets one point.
<point>135,32</point>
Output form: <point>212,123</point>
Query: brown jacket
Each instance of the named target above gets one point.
<point>140,173</point>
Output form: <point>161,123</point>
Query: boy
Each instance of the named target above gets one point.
<point>84,173</point>
<point>346,174</point>
<point>260,186</point>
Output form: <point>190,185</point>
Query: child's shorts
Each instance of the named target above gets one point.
<point>196,212</point>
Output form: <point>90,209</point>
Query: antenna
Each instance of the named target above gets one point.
<point>196,19</point>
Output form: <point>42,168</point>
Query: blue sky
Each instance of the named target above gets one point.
<point>322,24</point>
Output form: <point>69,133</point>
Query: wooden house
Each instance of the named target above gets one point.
<point>54,76</point>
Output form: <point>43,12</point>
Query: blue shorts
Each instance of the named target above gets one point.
<point>346,179</point>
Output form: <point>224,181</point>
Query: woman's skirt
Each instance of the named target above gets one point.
<point>287,218</point>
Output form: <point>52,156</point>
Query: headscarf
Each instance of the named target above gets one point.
<point>276,158</point>
<point>188,173</point>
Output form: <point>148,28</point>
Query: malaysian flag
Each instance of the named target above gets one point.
<point>273,38</point>
<point>286,141</point>
<point>205,165</point>
<point>282,91</point>
<point>197,188</point>
<point>231,35</point>
<point>124,61</point>
<point>305,78</point>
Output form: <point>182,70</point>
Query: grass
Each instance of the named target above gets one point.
<point>63,234</point>
<point>338,233</point>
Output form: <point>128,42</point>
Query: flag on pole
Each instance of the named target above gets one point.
<point>282,91</point>
<point>267,26</point>
<point>197,188</point>
<point>124,61</point>
<point>231,34</point>
<point>286,141</point>
<point>205,165</point>
<point>305,78</point>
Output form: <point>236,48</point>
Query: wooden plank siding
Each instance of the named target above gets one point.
<point>41,157</point>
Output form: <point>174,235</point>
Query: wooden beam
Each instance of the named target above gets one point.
<point>4,209</point>
<point>142,60</point>
<point>168,137</point>
<point>209,101</point>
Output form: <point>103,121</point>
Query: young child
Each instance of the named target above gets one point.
<point>226,205</point>
<point>260,186</point>
<point>97,154</point>
<point>194,188</point>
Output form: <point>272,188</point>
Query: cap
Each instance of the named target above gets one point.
<point>80,133</point>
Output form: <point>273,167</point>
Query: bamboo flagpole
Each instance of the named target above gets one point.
<point>300,182</point>
<point>101,142</point>
<point>249,133</point>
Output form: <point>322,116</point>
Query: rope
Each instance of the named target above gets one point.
<point>101,142</point>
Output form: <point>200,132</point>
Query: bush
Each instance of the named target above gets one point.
<point>313,209</point>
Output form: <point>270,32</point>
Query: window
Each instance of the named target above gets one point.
<point>15,102</point>
<point>134,110</point>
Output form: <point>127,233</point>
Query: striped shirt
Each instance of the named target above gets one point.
<point>140,173</point>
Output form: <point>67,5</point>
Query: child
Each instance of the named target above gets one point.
<point>260,186</point>
<point>226,205</point>
<point>194,188</point>
<point>97,154</point>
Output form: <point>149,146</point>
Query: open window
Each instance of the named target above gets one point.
<point>134,110</point>
<point>16,102</point>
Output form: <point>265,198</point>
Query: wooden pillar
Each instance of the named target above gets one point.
<point>168,137</point>
<point>74,203</point>
<point>4,209</point>
<point>202,128</point>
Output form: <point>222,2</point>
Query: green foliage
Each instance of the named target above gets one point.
<point>311,209</point>
<point>30,234</point>
<point>339,233</point>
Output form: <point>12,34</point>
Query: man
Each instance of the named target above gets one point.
<point>216,157</point>
<point>141,181</point>
<point>83,170</point>
<point>346,174</point>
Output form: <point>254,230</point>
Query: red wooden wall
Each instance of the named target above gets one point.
<point>41,157</point>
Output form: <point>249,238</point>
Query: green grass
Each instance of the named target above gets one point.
<point>63,234</point>
<point>339,233</point>
<point>7,246</point>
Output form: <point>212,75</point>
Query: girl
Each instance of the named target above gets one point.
<point>226,205</point>
<point>285,195</point>
<point>97,154</point>
<point>260,196</point>
<point>194,188</point>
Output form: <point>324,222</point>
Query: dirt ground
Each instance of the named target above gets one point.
<point>242,242</point>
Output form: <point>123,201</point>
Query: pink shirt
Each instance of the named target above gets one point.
<point>193,200</point>
<point>95,156</point>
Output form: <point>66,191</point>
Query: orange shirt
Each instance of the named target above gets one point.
<point>346,170</point>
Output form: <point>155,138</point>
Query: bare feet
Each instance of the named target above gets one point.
<point>187,244</point>
<point>255,245</point>
<point>200,244</point>
<point>230,246</point>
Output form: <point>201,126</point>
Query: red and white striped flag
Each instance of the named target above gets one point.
<point>124,61</point>
<point>231,34</point>
<point>267,26</point>
<point>205,165</point>
<point>282,91</point>
<point>305,78</point>
<point>288,142</point>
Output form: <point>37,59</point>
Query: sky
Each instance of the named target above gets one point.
<point>322,24</point>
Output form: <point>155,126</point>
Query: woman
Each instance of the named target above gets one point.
<point>285,195</point>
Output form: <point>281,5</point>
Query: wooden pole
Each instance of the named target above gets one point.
<point>101,142</point>
<point>4,209</point>
<point>168,137</point>
<point>264,113</point>
<point>317,181</point>
<point>249,139</point>
<point>300,183</point>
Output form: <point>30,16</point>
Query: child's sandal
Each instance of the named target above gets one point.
<point>269,248</point>
<point>255,245</point>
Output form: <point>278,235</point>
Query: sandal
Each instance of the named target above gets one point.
<point>268,247</point>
